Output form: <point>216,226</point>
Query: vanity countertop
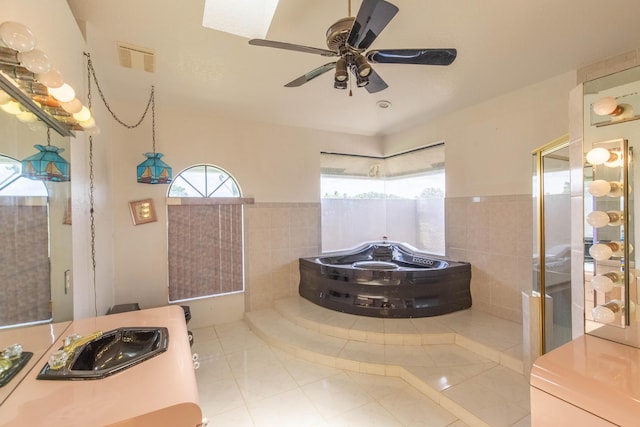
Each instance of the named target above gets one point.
<point>601,377</point>
<point>35,339</point>
<point>159,390</point>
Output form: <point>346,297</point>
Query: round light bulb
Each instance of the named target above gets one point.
<point>26,117</point>
<point>599,188</point>
<point>12,107</point>
<point>605,106</point>
<point>35,61</point>
<point>83,115</point>
<point>598,219</point>
<point>51,79</point>
<point>88,123</point>
<point>72,107</point>
<point>598,156</point>
<point>602,314</point>
<point>603,283</point>
<point>17,36</point>
<point>600,252</point>
<point>64,93</point>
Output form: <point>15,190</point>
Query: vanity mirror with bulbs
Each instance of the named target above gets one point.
<point>611,134</point>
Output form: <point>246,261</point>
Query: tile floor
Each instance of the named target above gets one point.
<point>243,381</point>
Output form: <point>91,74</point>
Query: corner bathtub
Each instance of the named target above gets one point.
<point>386,279</point>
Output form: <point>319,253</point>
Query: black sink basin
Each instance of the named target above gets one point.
<point>113,352</point>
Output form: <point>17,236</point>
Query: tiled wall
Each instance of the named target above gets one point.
<point>276,235</point>
<point>494,234</point>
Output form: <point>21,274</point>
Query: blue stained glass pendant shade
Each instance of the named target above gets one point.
<point>46,165</point>
<point>154,170</point>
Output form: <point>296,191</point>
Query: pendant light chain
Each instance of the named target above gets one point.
<point>48,136</point>
<point>91,195</point>
<point>150,102</point>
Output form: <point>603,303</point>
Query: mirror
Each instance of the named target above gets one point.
<point>35,230</point>
<point>611,137</point>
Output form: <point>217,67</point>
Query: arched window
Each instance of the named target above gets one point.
<point>204,214</point>
<point>24,223</point>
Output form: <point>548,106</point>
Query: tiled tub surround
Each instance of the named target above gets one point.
<point>276,235</point>
<point>495,235</point>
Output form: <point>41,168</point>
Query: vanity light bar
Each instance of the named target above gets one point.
<point>26,101</point>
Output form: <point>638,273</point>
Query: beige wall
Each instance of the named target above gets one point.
<point>488,165</point>
<point>279,166</point>
<point>488,145</point>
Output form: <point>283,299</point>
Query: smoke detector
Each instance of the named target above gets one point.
<point>384,104</point>
<point>136,57</point>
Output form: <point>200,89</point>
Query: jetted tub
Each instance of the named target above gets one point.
<point>386,279</point>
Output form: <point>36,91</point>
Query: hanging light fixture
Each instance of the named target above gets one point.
<point>154,170</point>
<point>47,164</point>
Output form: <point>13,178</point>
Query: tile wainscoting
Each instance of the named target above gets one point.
<point>276,235</point>
<point>494,234</point>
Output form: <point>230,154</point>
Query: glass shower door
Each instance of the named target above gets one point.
<point>552,271</point>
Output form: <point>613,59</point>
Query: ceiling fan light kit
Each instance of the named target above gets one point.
<point>349,38</point>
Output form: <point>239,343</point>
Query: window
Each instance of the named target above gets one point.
<point>401,197</point>
<point>25,289</point>
<point>205,234</point>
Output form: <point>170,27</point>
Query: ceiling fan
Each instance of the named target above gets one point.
<point>348,39</point>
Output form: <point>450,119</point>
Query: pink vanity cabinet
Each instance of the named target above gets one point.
<point>160,391</point>
<point>588,382</point>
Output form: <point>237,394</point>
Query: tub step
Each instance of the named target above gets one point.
<point>476,388</point>
<point>496,339</point>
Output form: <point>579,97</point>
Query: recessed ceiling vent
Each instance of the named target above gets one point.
<point>136,57</point>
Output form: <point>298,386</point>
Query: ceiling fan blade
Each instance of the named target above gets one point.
<point>311,75</point>
<point>291,46</point>
<point>412,56</point>
<point>376,84</point>
<point>372,17</point>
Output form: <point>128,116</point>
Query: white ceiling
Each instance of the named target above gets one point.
<point>502,45</point>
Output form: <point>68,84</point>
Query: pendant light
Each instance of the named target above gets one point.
<point>46,164</point>
<point>154,170</point>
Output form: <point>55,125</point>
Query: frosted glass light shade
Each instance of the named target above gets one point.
<point>598,156</point>
<point>11,107</point>
<point>72,106</point>
<point>605,282</point>
<point>607,106</point>
<point>64,93</point>
<point>603,314</point>
<point>83,115</point>
<point>35,61</point>
<point>17,36</point>
<point>601,251</point>
<point>598,219</point>
<point>599,188</point>
<point>86,124</point>
<point>26,117</point>
<point>51,79</point>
